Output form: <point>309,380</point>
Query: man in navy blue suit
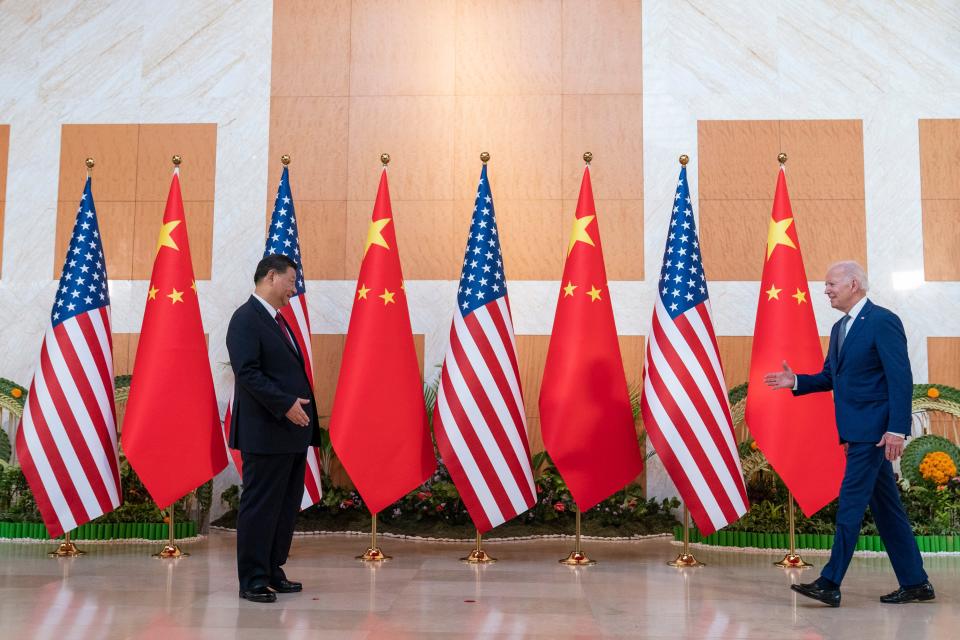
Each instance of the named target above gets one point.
<point>868,370</point>
<point>274,422</point>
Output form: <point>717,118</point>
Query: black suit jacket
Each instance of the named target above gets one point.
<point>269,378</point>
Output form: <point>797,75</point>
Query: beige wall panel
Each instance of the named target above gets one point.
<point>941,237</point>
<point>523,136</point>
<point>327,354</point>
<point>416,132</point>
<point>122,360</point>
<point>113,146</point>
<point>602,46</point>
<point>733,238</point>
<point>531,357</point>
<point>533,238</point>
<point>322,227</point>
<point>830,230</point>
<point>940,159</point>
<point>944,361</point>
<point>534,436</point>
<point>311,48</point>
<point>508,47</point>
<point>402,48</point>
<point>425,234</point>
<point>610,126</point>
<point>116,220</point>
<point>825,159</point>
<point>621,233</point>
<point>149,217</point>
<point>4,151</point>
<point>195,143</point>
<point>632,351</point>
<point>738,159</point>
<point>313,131</point>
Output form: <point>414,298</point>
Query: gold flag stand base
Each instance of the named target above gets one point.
<point>478,555</point>
<point>792,560</point>
<point>170,550</point>
<point>373,552</point>
<point>577,557</point>
<point>66,549</point>
<point>686,559</point>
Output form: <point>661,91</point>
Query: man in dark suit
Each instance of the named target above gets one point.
<point>274,422</point>
<point>868,370</point>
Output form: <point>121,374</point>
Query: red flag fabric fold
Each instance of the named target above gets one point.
<point>585,413</point>
<point>378,424</point>
<point>798,435</point>
<point>171,430</point>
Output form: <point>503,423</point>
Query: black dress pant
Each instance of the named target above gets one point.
<point>269,503</point>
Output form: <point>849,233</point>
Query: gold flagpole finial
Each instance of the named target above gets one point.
<point>176,160</point>
<point>485,157</point>
<point>782,158</point>
<point>385,159</point>
<point>588,157</point>
<point>89,162</point>
<point>285,159</point>
<point>684,159</point>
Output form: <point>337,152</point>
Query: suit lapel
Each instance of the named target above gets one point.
<point>855,329</point>
<point>274,327</point>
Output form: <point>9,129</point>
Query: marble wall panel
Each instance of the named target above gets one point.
<point>4,146</point>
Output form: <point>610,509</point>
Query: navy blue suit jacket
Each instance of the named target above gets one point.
<point>870,377</point>
<point>269,378</point>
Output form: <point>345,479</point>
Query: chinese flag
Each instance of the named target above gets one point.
<point>797,434</point>
<point>585,413</point>
<point>378,425</point>
<point>171,429</point>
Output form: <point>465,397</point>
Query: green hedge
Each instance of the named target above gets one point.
<point>808,540</point>
<point>102,531</point>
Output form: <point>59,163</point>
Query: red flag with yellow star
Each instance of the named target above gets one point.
<point>797,434</point>
<point>171,428</point>
<point>585,413</point>
<point>378,425</point>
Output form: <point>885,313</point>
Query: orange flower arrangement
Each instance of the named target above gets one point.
<point>16,393</point>
<point>937,467</point>
<point>933,392</point>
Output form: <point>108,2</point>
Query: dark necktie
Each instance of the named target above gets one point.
<point>283,328</point>
<point>843,332</point>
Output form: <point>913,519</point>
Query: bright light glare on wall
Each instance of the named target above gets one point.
<point>904,280</point>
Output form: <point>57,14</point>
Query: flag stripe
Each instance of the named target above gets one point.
<point>451,416</point>
<point>38,470</point>
<point>479,415</point>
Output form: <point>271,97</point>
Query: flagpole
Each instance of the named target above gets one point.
<point>577,557</point>
<point>373,552</point>
<point>792,560</point>
<point>478,555</point>
<point>171,550</point>
<point>686,559</point>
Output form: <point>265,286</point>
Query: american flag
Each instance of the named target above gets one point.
<point>685,407</point>
<point>479,421</point>
<point>283,238</point>
<point>67,440</point>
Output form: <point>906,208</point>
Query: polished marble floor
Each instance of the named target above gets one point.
<point>424,592</point>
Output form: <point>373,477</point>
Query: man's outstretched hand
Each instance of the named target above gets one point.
<point>784,379</point>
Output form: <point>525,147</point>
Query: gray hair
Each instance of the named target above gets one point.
<point>852,271</point>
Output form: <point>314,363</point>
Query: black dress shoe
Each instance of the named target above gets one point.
<point>920,594</point>
<point>258,594</point>
<point>286,586</point>
<point>830,597</point>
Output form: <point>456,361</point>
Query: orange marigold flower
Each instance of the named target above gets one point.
<point>933,392</point>
<point>16,393</point>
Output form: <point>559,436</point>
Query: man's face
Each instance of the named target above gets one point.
<point>283,285</point>
<point>842,290</point>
